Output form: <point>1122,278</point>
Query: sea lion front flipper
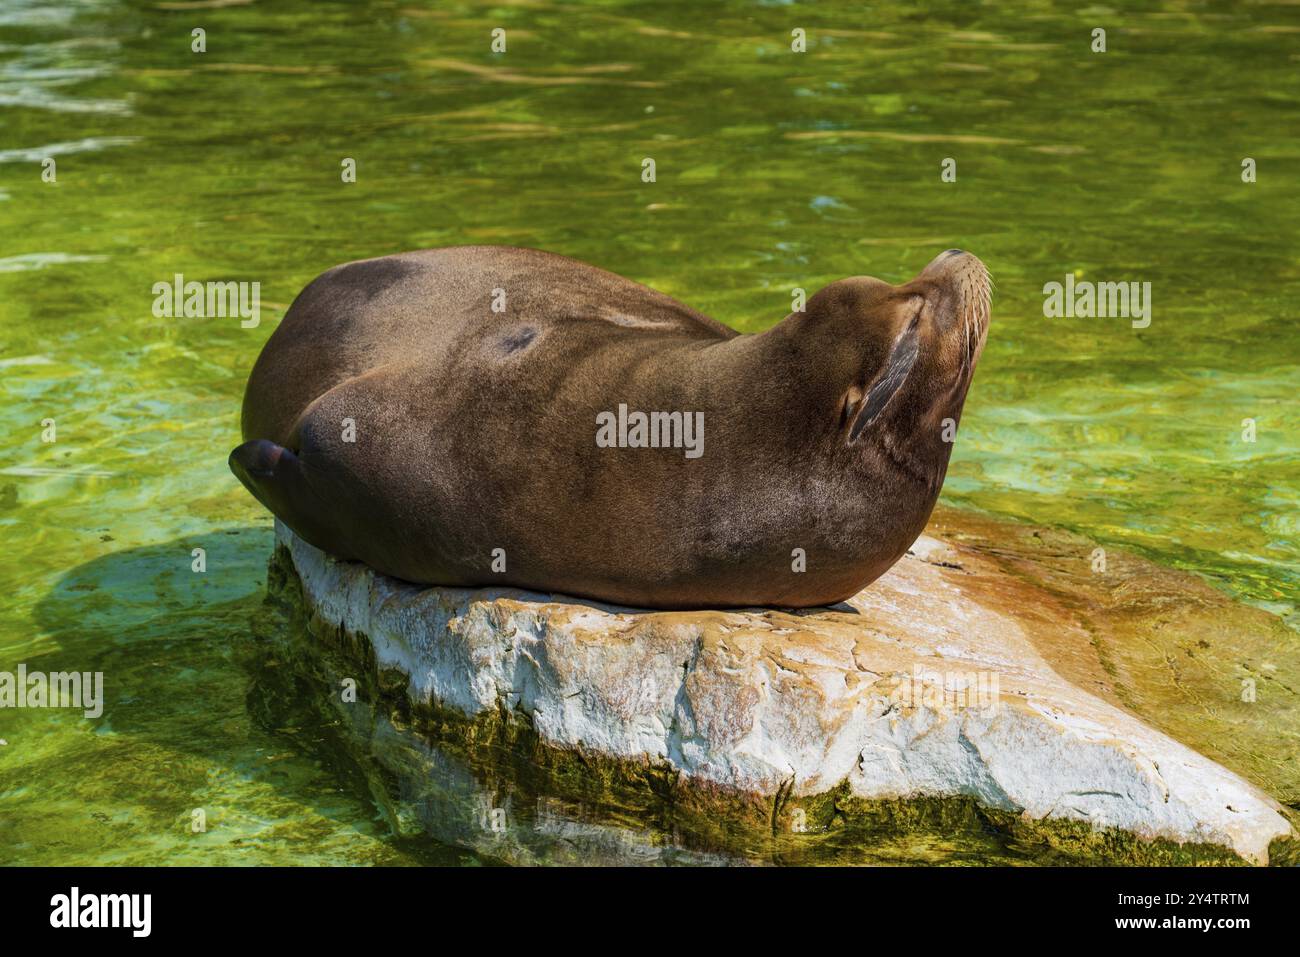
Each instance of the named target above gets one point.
<point>901,359</point>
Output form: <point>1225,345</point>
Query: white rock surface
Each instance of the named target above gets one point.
<point>756,700</point>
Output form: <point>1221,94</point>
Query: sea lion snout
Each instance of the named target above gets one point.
<point>960,293</point>
<point>952,263</point>
<point>255,460</point>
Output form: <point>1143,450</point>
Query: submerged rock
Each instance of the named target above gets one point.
<point>956,675</point>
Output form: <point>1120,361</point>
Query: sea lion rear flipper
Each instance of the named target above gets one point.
<point>278,479</point>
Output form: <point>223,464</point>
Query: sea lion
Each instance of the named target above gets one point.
<point>485,415</point>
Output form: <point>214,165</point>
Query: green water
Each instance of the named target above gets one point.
<point>774,170</point>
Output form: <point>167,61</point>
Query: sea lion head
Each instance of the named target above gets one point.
<point>908,358</point>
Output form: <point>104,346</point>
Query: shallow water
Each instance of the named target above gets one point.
<point>774,170</point>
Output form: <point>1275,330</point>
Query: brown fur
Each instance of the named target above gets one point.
<point>476,430</point>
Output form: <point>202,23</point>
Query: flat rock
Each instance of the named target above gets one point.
<point>957,674</point>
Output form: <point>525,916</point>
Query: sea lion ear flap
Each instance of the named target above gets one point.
<point>901,359</point>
